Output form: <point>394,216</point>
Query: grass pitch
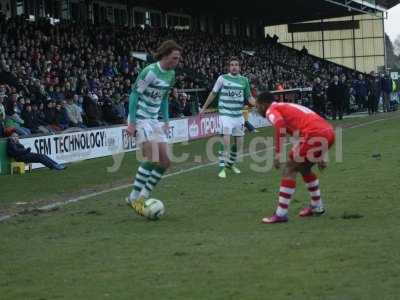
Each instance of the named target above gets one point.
<point>210,245</point>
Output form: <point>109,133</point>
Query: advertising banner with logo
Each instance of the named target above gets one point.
<point>178,131</point>
<point>203,126</point>
<point>75,146</point>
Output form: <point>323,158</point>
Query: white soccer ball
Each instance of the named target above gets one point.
<point>153,209</point>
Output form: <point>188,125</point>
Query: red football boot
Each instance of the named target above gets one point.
<point>275,219</point>
<point>311,212</point>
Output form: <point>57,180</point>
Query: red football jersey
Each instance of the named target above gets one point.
<point>293,118</point>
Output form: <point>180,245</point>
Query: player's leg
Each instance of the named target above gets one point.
<point>315,150</point>
<point>236,149</point>
<point>375,101</point>
<point>370,105</point>
<point>147,137</point>
<point>286,192</point>
<point>237,146</point>
<point>42,159</point>
<point>316,206</point>
<point>161,164</point>
<point>226,133</point>
<point>223,153</point>
<point>136,198</point>
<point>386,102</point>
<point>157,152</point>
<point>144,137</point>
<point>143,172</point>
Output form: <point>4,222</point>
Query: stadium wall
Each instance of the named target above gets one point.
<point>361,48</point>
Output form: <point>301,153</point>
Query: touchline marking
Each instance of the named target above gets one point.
<point>180,172</point>
<point>120,187</point>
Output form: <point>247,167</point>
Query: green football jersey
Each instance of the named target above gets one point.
<point>152,88</point>
<point>232,91</point>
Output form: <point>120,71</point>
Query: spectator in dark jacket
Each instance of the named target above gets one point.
<point>61,116</point>
<point>10,104</point>
<point>40,95</point>
<point>18,152</point>
<point>318,97</point>
<point>120,108</point>
<point>185,105</point>
<point>40,117</point>
<point>174,108</point>
<point>110,113</point>
<point>40,113</point>
<point>125,103</point>
<point>387,87</point>
<point>361,90</point>
<point>336,93</point>
<point>109,70</point>
<point>346,97</point>
<point>50,116</point>
<point>174,105</point>
<point>30,119</point>
<point>375,87</point>
<point>91,111</point>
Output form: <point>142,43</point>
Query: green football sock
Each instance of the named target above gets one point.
<point>232,156</point>
<point>153,179</point>
<point>141,178</point>
<point>222,156</point>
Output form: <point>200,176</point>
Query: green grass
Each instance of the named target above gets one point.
<point>210,245</point>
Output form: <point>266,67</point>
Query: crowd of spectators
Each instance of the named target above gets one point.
<point>344,95</point>
<point>69,75</point>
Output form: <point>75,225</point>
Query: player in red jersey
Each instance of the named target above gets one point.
<point>316,136</point>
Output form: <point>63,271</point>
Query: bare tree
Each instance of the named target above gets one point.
<point>396,45</point>
<point>392,59</point>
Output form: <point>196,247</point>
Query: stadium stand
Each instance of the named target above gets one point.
<point>71,75</point>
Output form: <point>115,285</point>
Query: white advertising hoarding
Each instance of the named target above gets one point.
<point>75,146</point>
<point>101,142</point>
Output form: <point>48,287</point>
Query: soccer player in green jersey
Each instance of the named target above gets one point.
<point>149,96</point>
<point>232,91</point>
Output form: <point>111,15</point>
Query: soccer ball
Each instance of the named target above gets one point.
<point>153,209</point>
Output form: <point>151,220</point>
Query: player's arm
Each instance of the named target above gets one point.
<point>248,96</point>
<point>133,100</point>
<point>165,109</point>
<point>252,101</point>
<point>278,122</point>
<point>211,97</point>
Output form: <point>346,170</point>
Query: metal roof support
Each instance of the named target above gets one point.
<point>361,6</point>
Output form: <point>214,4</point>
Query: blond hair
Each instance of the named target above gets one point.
<point>166,48</point>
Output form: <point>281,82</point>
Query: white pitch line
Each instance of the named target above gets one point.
<point>122,187</point>
<point>369,123</point>
<point>125,186</point>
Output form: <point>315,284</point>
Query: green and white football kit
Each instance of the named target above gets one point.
<point>232,91</point>
<point>150,96</point>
